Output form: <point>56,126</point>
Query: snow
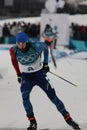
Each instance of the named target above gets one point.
<point>12,114</point>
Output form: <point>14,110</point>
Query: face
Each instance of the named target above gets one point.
<point>21,45</point>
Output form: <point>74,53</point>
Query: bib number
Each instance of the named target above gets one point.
<point>30,69</point>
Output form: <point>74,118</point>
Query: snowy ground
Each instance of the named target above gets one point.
<point>72,68</point>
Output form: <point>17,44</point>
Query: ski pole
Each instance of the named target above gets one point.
<point>53,58</point>
<point>63,79</point>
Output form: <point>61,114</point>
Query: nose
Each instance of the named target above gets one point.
<point>20,43</point>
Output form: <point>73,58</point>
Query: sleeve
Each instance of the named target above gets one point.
<point>45,52</point>
<point>43,47</point>
<point>14,61</point>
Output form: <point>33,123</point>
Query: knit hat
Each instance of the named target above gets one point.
<point>22,37</point>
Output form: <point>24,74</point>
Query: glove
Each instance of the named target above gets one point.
<point>46,67</point>
<point>19,77</point>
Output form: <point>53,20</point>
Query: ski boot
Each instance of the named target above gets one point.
<point>33,123</point>
<point>33,126</point>
<point>72,123</point>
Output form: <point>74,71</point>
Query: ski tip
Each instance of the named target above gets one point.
<point>76,85</point>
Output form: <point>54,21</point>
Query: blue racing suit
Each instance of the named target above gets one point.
<point>31,67</point>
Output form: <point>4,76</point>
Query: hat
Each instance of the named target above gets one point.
<point>22,37</point>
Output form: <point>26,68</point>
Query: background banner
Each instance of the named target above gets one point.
<point>60,22</point>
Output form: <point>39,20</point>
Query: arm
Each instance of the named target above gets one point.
<point>46,53</point>
<point>14,61</point>
<point>43,47</point>
<point>46,58</point>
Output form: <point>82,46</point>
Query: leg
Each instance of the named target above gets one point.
<point>61,108</point>
<point>45,85</point>
<point>56,101</point>
<point>25,91</point>
<point>26,88</point>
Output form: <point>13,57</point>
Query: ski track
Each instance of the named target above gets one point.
<point>9,86</point>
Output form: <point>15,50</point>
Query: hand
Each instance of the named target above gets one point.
<point>19,77</point>
<point>46,67</point>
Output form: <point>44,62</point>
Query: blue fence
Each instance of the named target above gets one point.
<point>78,45</point>
<point>8,40</point>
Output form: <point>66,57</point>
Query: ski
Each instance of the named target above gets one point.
<point>60,129</point>
<point>44,129</point>
<point>41,129</point>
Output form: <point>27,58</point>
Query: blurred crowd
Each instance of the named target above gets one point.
<point>9,30</point>
<point>78,32</point>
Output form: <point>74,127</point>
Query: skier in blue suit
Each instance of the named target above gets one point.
<point>32,71</point>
